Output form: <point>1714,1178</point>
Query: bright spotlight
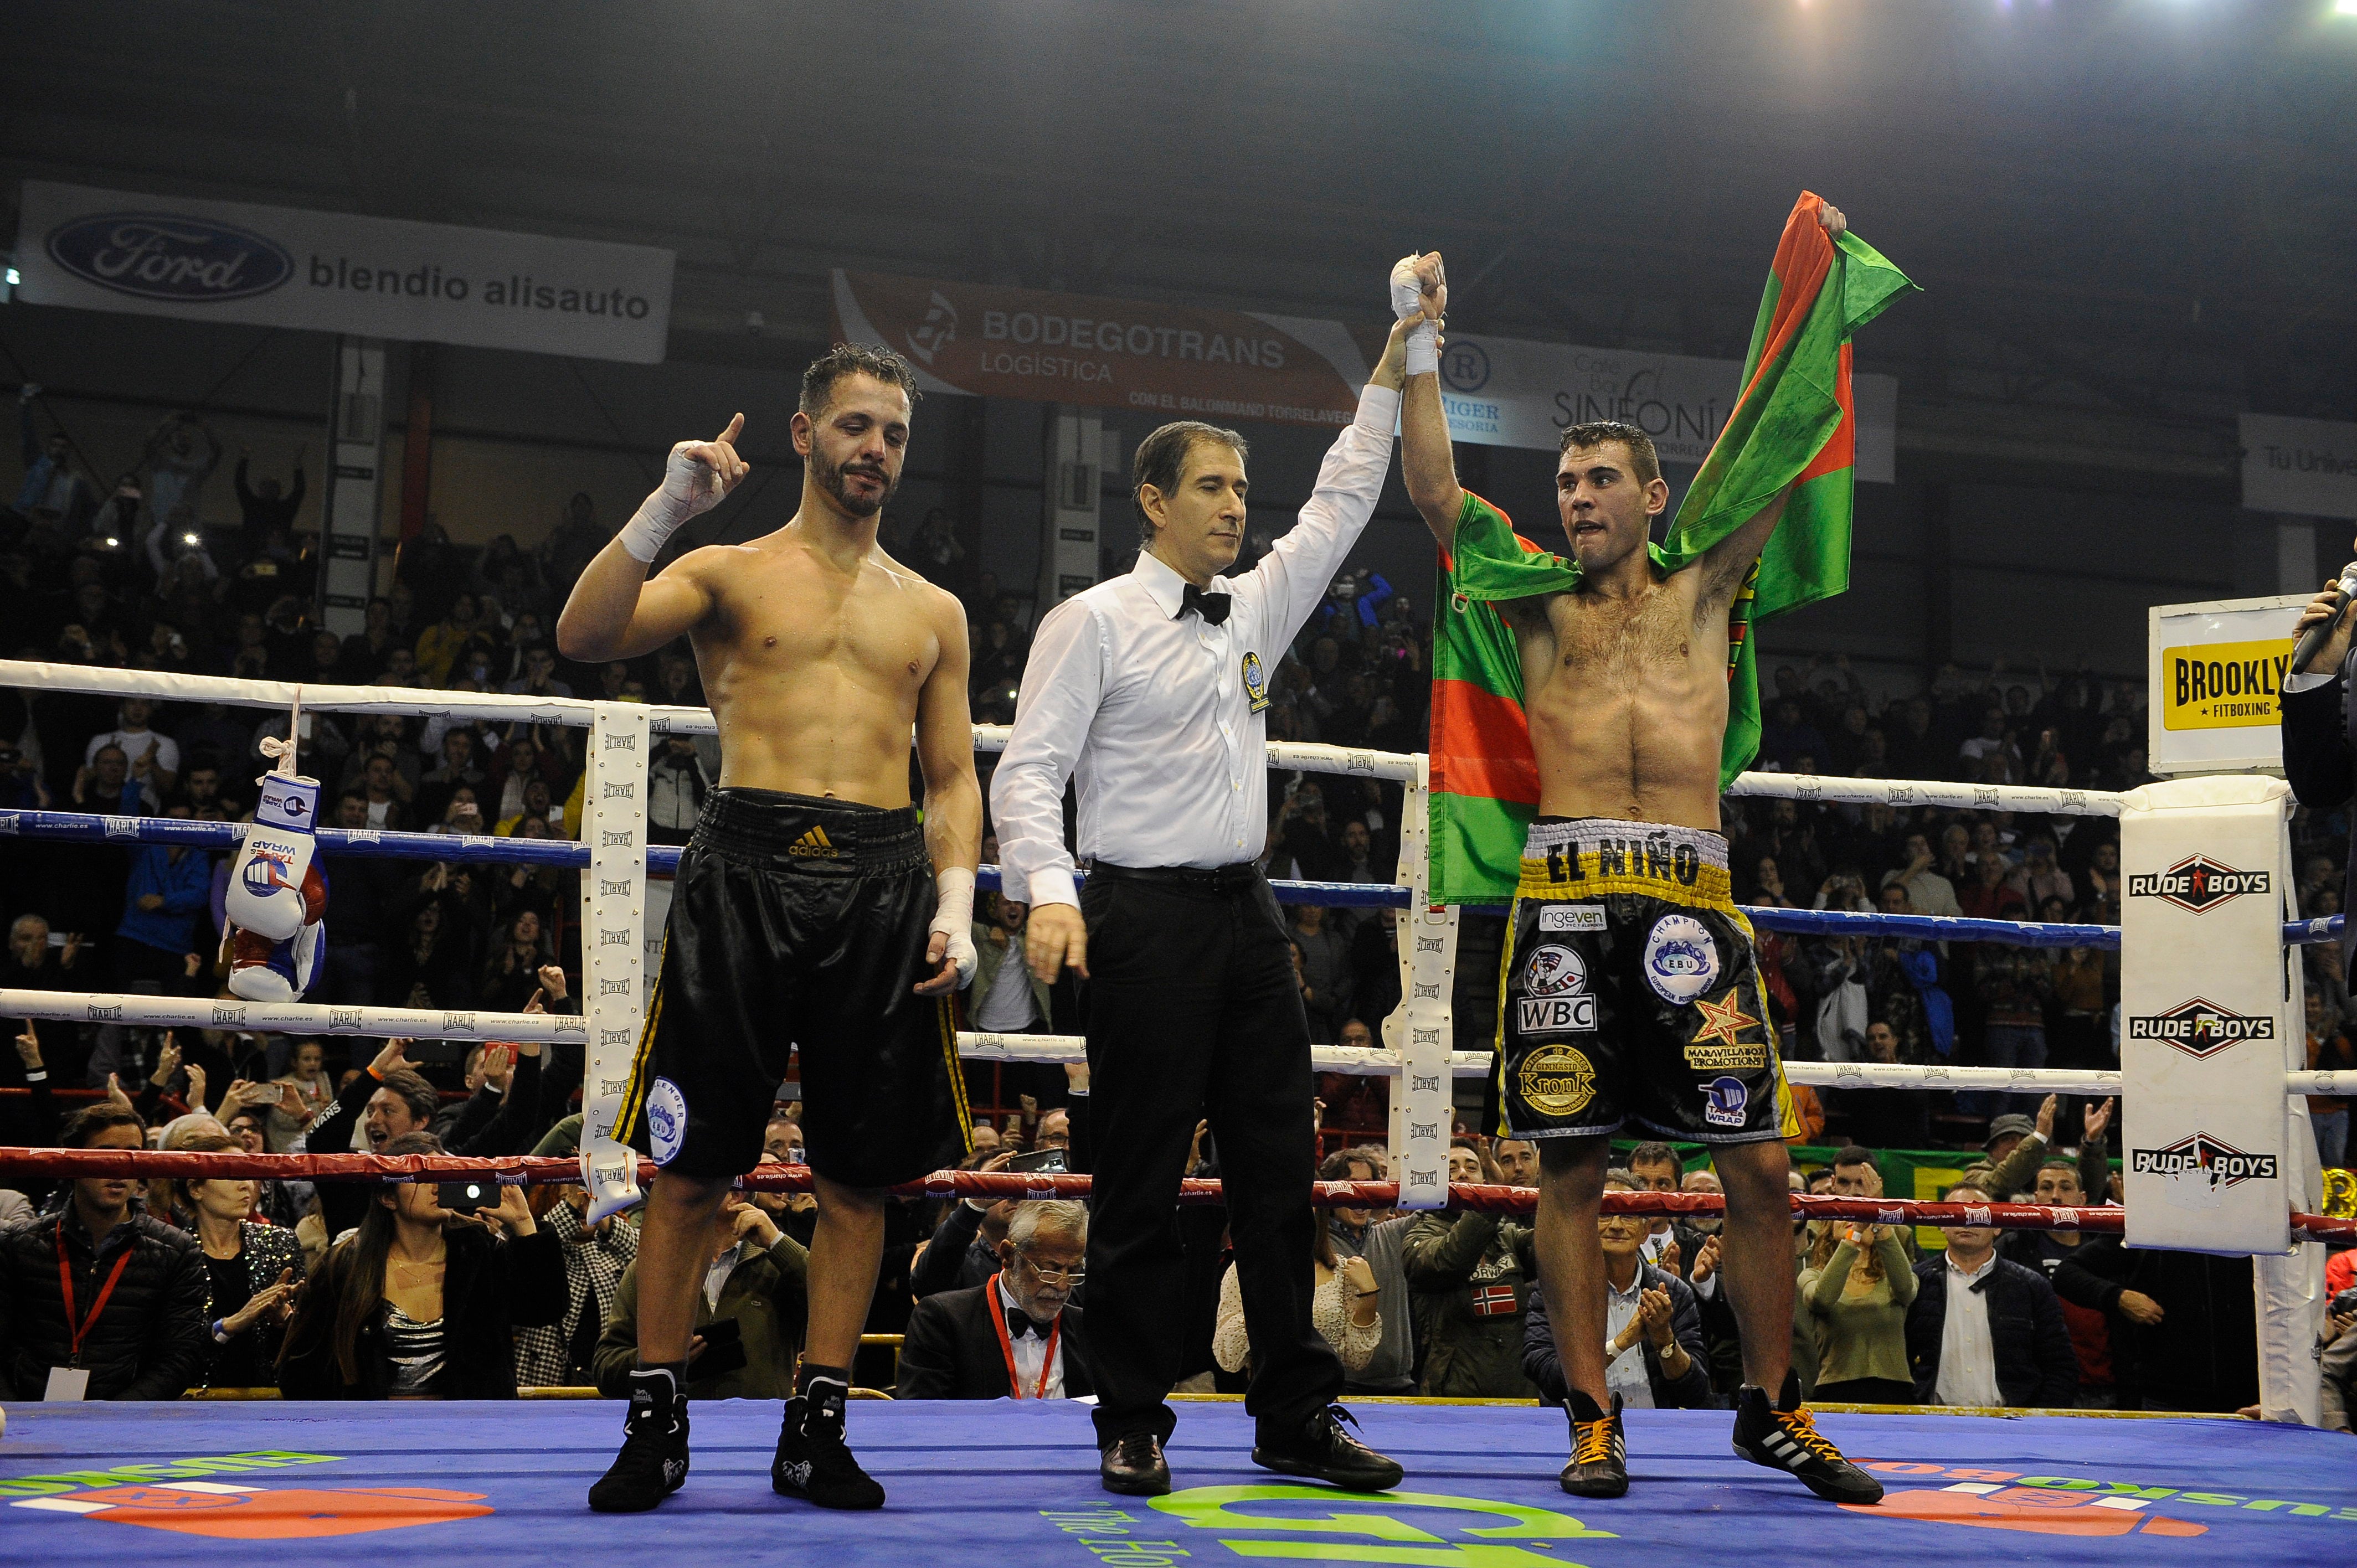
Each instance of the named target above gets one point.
<point>14,277</point>
<point>188,539</point>
<point>2340,8</point>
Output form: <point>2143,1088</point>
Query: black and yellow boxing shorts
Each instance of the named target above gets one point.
<point>1629,991</point>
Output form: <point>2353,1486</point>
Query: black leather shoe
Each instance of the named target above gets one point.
<point>1133,1465</point>
<point>1599,1453</point>
<point>1324,1451</point>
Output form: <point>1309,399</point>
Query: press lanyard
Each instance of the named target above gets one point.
<point>82,1330</point>
<point>1007,1345</point>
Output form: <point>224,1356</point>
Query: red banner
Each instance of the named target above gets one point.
<point>1174,361</point>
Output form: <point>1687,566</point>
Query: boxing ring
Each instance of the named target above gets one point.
<point>496,1480</point>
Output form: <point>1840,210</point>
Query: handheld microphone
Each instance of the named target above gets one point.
<point>2320,633</point>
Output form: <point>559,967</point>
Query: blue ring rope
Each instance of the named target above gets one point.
<point>664,859</point>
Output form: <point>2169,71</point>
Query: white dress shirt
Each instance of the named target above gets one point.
<point>1029,1349</point>
<point>1156,719</point>
<point>1967,1353</point>
<point>1624,1370</point>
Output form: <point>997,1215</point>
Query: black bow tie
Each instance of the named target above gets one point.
<point>1020,1323</point>
<point>1213,607</point>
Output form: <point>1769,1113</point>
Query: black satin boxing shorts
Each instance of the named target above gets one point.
<point>799,925</point>
<point>1629,991</point>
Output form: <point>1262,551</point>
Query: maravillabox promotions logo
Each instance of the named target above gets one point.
<point>169,256</point>
<point>2197,884</point>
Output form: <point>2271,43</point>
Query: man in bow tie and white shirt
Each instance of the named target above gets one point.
<point>1016,1336</point>
<point>1149,692</point>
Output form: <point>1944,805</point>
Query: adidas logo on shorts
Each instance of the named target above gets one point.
<point>814,843</point>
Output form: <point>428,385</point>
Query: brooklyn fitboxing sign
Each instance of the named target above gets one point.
<point>335,271</point>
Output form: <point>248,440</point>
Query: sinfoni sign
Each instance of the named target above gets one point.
<point>336,272</point>
<point>1506,392</point>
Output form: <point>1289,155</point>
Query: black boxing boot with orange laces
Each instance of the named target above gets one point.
<point>1782,1436</point>
<point>1599,1452</point>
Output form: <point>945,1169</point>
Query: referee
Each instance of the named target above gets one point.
<point>1147,692</point>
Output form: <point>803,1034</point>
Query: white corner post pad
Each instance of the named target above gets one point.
<point>1420,1029</point>
<point>2217,1152</point>
<point>613,951</point>
<point>2210,1013</point>
<point>953,917</point>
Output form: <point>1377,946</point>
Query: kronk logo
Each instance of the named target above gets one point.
<point>2201,1027</point>
<point>2199,884</point>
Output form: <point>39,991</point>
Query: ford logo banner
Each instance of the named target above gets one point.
<point>169,257</point>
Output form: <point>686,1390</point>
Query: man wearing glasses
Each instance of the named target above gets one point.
<point>1016,1336</point>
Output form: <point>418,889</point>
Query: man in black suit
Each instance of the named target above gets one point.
<point>1016,1336</point>
<point>1986,1331</point>
<point>2317,754</point>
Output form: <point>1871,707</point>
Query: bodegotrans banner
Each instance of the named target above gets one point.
<point>1172,361</point>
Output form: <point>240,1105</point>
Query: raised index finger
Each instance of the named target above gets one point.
<point>735,424</point>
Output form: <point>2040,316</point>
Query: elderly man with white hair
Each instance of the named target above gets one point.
<point>1017,1336</point>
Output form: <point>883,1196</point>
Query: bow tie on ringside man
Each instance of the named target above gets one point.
<point>1213,607</point>
<point>1020,1323</point>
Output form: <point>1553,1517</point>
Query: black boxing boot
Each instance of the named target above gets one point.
<point>1599,1453</point>
<point>813,1461</point>
<point>653,1460</point>
<point>1783,1437</point>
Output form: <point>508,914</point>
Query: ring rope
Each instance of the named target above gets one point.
<point>418,1024</point>
<point>662,860</point>
<point>1307,757</point>
<point>1483,1197</point>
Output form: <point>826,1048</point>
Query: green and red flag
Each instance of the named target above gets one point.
<point>1792,424</point>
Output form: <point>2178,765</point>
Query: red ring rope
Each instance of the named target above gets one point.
<point>143,1164</point>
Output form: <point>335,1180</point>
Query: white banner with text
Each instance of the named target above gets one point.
<point>338,271</point>
<point>1507,392</point>
<point>2306,467</point>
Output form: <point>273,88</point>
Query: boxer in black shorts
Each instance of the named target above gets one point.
<point>811,911</point>
<point>1629,989</point>
<point>798,924</point>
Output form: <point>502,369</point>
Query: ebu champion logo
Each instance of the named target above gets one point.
<point>166,256</point>
<point>2197,884</point>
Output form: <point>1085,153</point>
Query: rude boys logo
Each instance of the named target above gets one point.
<point>2197,884</point>
<point>2201,1027</point>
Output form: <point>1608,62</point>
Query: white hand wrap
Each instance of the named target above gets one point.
<point>953,918</point>
<point>673,502</point>
<point>1407,299</point>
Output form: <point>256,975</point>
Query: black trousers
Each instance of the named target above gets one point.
<point>1191,1013</point>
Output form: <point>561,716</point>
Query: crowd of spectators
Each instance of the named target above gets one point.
<point>334,1290</point>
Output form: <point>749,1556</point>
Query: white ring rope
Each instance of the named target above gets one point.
<point>1303,755</point>
<point>440,1024</point>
